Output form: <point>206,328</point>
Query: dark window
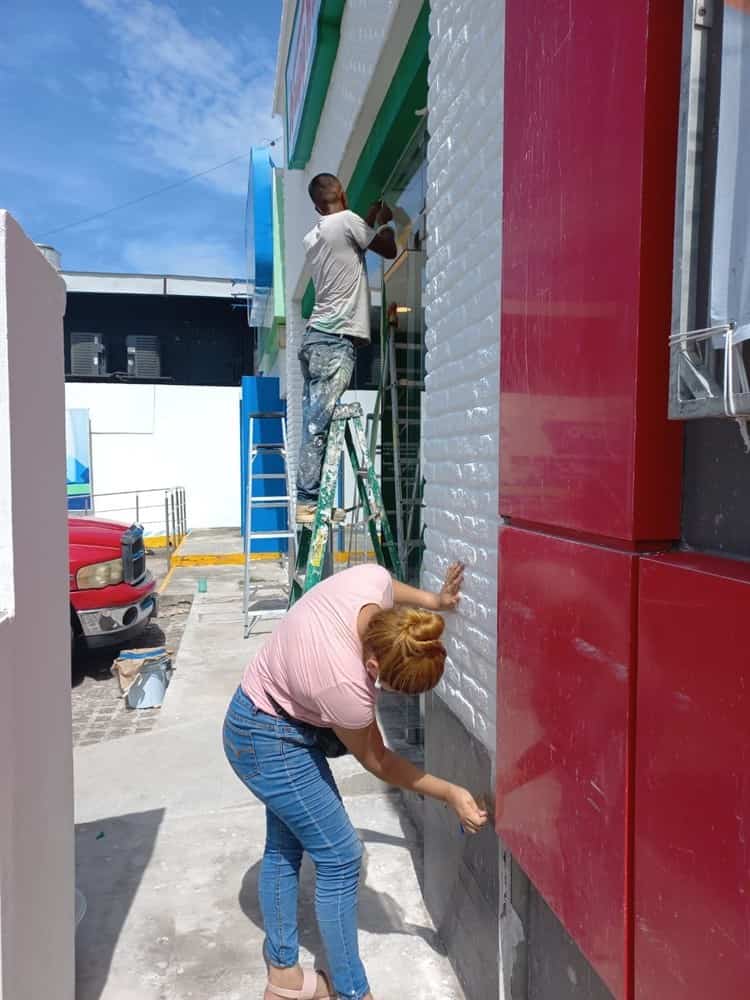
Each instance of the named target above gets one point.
<point>709,256</point>
<point>367,358</point>
<point>187,341</point>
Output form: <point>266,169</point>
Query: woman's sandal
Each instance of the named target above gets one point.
<point>307,992</point>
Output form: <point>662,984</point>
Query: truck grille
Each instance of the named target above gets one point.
<point>133,555</point>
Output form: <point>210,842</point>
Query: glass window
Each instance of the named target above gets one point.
<point>712,278</point>
<point>711,315</point>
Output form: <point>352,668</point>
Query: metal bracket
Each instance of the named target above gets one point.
<point>704,13</point>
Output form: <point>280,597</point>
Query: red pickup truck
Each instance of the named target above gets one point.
<point>112,594</point>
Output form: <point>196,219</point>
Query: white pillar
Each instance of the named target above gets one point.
<point>36,768</point>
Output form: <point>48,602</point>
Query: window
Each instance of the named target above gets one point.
<point>712,277</point>
<point>710,341</point>
<point>180,339</point>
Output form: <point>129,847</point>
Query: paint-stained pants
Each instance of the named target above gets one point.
<point>327,365</point>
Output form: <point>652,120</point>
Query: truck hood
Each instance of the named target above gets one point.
<point>93,541</point>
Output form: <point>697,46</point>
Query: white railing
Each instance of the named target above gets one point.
<point>161,512</point>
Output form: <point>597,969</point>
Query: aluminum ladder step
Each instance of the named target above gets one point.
<point>280,534</point>
<point>267,535</point>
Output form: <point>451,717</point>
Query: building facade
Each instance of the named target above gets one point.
<point>156,363</point>
<point>570,289</point>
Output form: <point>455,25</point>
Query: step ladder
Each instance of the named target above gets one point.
<point>262,425</point>
<point>346,435</point>
<point>403,380</point>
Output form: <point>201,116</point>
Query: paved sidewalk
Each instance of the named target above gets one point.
<point>169,844</point>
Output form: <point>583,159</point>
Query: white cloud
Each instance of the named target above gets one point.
<point>191,100</point>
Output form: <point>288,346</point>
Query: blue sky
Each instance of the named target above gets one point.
<point>102,101</point>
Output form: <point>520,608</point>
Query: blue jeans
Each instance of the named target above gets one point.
<point>278,762</point>
<point>327,364</point>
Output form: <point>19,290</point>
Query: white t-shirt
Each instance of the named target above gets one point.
<point>335,257</point>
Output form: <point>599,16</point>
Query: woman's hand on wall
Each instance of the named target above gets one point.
<point>471,814</point>
<point>446,599</point>
<point>450,592</point>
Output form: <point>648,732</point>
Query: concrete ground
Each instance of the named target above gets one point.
<point>169,845</point>
<point>213,542</point>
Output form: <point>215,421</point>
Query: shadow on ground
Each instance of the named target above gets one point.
<point>379,912</point>
<point>111,857</point>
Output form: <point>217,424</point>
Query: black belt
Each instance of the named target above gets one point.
<point>325,739</point>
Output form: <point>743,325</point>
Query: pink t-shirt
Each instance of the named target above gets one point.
<point>312,664</point>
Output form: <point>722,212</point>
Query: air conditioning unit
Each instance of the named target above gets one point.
<point>88,355</point>
<point>144,356</point>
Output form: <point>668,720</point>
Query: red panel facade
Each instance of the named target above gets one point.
<point>589,160</point>
<point>564,696</point>
<point>692,793</point>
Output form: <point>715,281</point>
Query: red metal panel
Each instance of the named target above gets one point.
<point>566,624</point>
<point>591,113</point>
<point>692,791</point>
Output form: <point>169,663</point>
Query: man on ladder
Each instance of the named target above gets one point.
<point>335,258</point>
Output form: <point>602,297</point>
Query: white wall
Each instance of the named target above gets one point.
<point>147,436</point>
<point>36,765</point>
<point>464,202</point>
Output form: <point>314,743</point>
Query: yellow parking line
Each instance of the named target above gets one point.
<point>165,582</point>
<point>206,559</point>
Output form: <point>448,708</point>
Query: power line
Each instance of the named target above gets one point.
<point>144,197</point>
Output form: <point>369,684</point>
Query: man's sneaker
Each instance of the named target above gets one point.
<point>306,513</point>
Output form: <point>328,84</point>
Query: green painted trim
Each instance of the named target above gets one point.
<point>392,129</point>
<point>326,48</point>
<point>396,121</point>
<point>279,276</point>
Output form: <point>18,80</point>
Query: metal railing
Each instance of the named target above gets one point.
<point>161,512</point>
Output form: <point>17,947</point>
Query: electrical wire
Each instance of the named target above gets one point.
<point>144,197</point>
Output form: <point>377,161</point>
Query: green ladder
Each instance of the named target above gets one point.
<point>346,434</point>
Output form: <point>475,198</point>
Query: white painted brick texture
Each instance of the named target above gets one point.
<point>464,203</point>
<point>295,328</point>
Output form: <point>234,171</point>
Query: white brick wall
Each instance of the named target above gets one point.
<point>295,328</point>
<point>463,305</point>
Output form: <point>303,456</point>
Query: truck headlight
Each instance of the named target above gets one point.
<point>104,574</point>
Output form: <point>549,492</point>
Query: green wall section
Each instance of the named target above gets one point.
<point>396,121</point>
<point>327,45</point>
<point>393,127</point>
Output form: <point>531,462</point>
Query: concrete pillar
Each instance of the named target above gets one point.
<point>36,769</point>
